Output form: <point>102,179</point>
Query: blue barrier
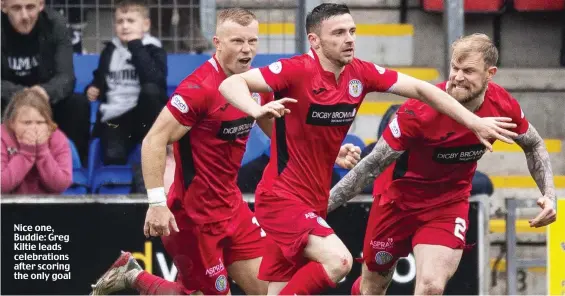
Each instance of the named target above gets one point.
<point>179,66</point>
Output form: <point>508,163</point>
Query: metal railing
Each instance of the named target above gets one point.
<point>513,264</point>
<point>181,25</point>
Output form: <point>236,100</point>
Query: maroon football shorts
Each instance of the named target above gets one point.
<point>287,224</point>
<point>392,232</point>
<point>202,252</point>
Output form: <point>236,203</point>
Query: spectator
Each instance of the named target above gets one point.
<point>130,83</point>
<point>37,54</point>
<point>36,156</point>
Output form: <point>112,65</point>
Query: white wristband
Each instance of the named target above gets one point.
<point>157,196</point>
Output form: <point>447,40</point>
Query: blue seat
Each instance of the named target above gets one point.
<point>262,60</point>
<point>180,66</point>
<point>256,145</point>
<point>80,184</point>
<point>84,65</point>
<point>349,139</point>
<point>110,179</point>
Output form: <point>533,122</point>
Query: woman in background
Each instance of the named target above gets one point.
<point>36,156</point>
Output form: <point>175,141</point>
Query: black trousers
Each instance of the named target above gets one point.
<point>72,115</point>
<point>120,135</point>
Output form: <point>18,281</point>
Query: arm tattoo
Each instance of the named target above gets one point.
<point>362,174</point>
<point>538,160</point>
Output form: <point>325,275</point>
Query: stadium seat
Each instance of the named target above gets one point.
<point>110,179</point>
<point>469,5</point>
<point>181,65</point>
<point>262,60</point>
<point>178,67</point>
<point>538,5</point>
<point>80,183</point>
<point>84,65</point>
<point>257,145</point>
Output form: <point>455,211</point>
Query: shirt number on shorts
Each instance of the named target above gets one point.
<point>460,227</point>
<point>254,221</point>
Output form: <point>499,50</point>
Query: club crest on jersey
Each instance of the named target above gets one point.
<point>276,67</point>
<point>395,128</point>
<point>355,88</point>
<point>380,69</point>
<point>383,257</point>
<point>221,283</point>
<point>178,102</point>
<point>322,222</point>
<point>256,97</point>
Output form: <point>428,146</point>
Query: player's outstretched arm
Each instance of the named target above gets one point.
<point>363,174</point>
<point>484,128</point>
<point>164,131</point>
<point>237,91</point>
<point>540,168</point>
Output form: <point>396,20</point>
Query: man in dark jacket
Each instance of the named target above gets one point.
<point>37,54</point>
<point>130,83</point>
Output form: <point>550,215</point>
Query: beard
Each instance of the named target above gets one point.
<point>471,95</point>
<point>334,57</point>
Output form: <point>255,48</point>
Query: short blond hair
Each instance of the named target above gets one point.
<point>240,16</point>
<point>134,5</point>
<point>475,43</point>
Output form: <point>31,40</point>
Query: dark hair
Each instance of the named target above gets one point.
<point>323,12</point>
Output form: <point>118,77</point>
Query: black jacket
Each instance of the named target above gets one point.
<point>56,73</point>
<point>150,63</point>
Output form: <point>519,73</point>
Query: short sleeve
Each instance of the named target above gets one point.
<point>518,117</point>
<point>188,104</point>
<point>404,129</point>
<point>377,78</point>
<point>283,73</point>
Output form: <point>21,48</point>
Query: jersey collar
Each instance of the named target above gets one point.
<point>216,64</point>
<point>327,75</point>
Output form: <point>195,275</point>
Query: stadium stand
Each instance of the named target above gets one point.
<point>538,5</point>
<point>480,6</point>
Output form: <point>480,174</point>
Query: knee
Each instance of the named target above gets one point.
<point>430,285</point>
<point>372,288</point>
<point>338,269</point>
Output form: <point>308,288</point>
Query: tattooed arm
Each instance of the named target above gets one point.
<point>363,174</point>
<point>540,169</point>
<point>538,160</point>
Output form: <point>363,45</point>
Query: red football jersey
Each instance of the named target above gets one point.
<point>209,156</point>
<point>440,155</point>
<point>306,142</point>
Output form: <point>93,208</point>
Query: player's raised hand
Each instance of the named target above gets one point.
<point>274,109</point>
<point>159,221</point>
<point>487,128</point>
<point>548,213</point>
<point>349,155</point>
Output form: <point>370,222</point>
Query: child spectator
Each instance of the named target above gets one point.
<point>36,157</point>
<point>36,53</point>
<point>130,83</point>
